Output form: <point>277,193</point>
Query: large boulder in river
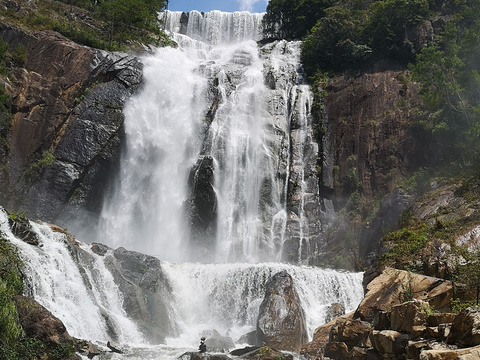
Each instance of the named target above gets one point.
<point>145,290</point>
<point>281,321</point>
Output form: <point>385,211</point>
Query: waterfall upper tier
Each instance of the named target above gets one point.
<point>215,27</point>
<point>220,158</point>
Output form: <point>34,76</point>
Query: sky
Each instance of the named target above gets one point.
<point>255,6</point>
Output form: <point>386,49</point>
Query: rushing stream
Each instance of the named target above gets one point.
<point>223,110</point>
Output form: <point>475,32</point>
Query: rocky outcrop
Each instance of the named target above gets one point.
<point>145,291</point>
<point>392,287</point>
<point>281,322</point>
<point>67,119</point>
<point>368,120</point>
<point>203,206</point>
<point>396,329</point>
<point>40,324</point>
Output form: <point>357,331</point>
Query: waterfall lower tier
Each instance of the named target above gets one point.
<point>100,293</point>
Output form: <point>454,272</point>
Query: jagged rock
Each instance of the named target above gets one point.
<point>472,353</point>
<point>436,319</point>
<point>39,323</point>
<point>114,348</point>
<point>336,350</point>
<point>145,291</point>
<point>466,327</point>
<point>351,332</point>
<point>249,338</point>
<point>405,316</point>
<point>281,322</point>
<point>381,321</point>
<point>392,286</point>
<point>321,335</point>
<point>66,103</point>
<point>389,342</point>
<point>334,311</point>
<point>203,206</point>
<point>22,229</point>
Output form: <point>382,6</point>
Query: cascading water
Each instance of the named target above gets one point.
<point>218,181</point>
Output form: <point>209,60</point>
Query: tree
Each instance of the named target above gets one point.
<point>289,19</point>
<point>335,42</point>
<point>448,73</point>
<point>387,24</point>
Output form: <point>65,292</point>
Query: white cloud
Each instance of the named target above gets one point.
<point>248,4</point>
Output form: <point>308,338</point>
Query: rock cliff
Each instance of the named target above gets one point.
<point>67,122</point>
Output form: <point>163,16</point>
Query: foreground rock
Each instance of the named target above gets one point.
<point>281,322</point>
<point>393,286</point>
<point>413,330</point>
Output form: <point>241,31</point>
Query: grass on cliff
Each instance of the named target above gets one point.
<point>439,245</point>
<point>14,345</point>
<point>11,284</point>
<point>84,26</point>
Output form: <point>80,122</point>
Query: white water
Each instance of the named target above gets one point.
<point>54,280</point>
<point>260,129</point>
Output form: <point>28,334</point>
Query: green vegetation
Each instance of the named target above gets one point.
<point>448,73</point>
<point>34,170</point>
<point>11,284</point>
<point>106,24</point>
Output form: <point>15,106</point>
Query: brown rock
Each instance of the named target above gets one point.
<point>337,350</point>
<point>390,287</point>
<point>351,332</point>
<point>321,335</point>
<point>440,318</point>
<point>466,327</point>
<point>389,342</point>
<point>472,353</point>
<point>281,322</point>
<point>405,316</point>
<point>39,323</point>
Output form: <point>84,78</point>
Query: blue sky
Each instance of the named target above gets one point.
<point>222,5</point>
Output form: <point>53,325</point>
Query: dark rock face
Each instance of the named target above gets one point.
<point>203,205</point>
<point>281,322</point>
<point>22,229</point>
<point>66,103</point>
<point>145,290</point>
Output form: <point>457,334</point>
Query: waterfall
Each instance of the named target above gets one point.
<point>218,160</point>
<point>218,180</point>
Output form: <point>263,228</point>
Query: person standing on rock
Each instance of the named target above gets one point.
<point>203,347</point>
